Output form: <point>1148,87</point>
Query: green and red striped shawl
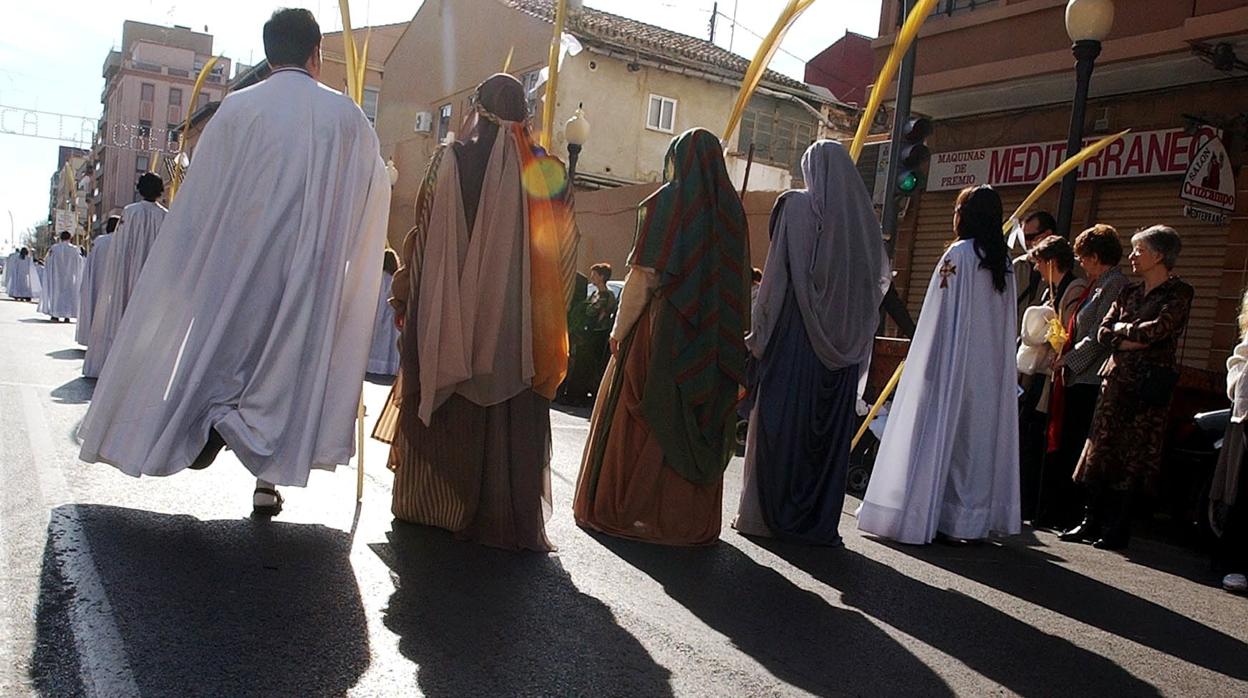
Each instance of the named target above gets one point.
<point>693,233</point>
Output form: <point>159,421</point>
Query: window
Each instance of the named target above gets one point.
<point>532,94</point>
<point>175,96</point>
<point>145,129</point>
<point>953,7</point>
<point>370,103</point>
<point>661,116</point>
<point>141,165</point>
<point>147,92</point>
<point>777,139</point>
<point>444,122</point>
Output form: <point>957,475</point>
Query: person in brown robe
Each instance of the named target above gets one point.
<point>481,299</point>
<point>664,424</point>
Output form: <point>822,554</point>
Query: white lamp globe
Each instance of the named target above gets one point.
<point>1089,20</point>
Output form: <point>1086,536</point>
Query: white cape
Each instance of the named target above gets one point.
<point>383,358</point>
<point>61,274</point>
<point>18,274</point>
<point>948,461</point>
<point>254,312</point>
<point>90,285</point>
<point>132,243</point>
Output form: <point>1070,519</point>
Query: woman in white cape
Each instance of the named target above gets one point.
<point>948,462</point>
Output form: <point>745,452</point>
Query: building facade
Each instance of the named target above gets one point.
<point>846,68</point>
<point>64,192</point>
<point>638,84</point>
<point>381,40</point>
<point>1002,106</point>
<point>147,90</point>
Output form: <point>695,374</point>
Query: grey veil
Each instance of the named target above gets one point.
<point>826,245</point>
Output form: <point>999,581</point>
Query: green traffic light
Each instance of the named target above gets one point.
<point>907,182</point>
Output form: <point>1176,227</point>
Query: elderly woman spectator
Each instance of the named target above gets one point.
<point>1054,260</point>
<point>1142,330</point>
<point>1229,493</point>
<point>1076,376</point>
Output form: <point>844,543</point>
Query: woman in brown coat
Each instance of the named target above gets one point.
<point>1142,330</point>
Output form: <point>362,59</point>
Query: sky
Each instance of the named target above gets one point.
<point>51,56</point>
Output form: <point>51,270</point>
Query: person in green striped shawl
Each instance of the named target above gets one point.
<point>663,427</point>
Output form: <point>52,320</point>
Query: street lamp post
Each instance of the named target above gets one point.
<point>1088,23</point>
<point>577,132</point>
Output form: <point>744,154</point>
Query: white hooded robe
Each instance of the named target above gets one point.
<point>254,312</point>
<point>948,461</point>
<point>132,243</point>
<point>90,285</point>
<point>61,274</point>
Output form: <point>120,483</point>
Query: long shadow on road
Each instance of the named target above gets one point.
<point>75,392</point>
<point>1016,655</point>
<point>1033,576</point>
<point>220,608</point>
<point>485,622</point>
<point>794,633</point>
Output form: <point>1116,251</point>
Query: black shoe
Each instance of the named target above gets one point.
<point>211,449</point>
<point>1087,531</point>
<point>1114,543</point>
<point>1117,531</point>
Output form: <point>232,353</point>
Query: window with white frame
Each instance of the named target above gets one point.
<point>370,104</point>
<point>661,115</point>
<point>444,121</point>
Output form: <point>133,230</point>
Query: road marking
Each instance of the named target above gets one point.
<point>102,657</point>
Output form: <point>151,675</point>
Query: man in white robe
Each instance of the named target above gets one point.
<point>8,267</point>
<point>93,280</point>
<point>62,272</point>
<point>251,322</point>
<point>132,243</point>
<point>20,276</point>
<point>948,460</point>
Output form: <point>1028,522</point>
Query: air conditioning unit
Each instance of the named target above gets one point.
<point>424,122</point>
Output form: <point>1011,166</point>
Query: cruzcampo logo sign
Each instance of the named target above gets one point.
<point>1209,184</point>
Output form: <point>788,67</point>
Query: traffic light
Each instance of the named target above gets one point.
<point>913,155</point>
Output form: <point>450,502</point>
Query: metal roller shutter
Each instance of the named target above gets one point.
<point>1130,206</point>
<point>934,230</point>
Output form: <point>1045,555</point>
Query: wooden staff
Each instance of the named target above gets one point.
<point>552,76</point>
<point>745,181</point>
<point>359,450</point>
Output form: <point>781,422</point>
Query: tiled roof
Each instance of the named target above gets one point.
<point>597,27</point>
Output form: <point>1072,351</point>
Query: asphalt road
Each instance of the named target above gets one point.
<point>165,587</point>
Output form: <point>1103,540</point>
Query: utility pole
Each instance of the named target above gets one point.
<point>901,115</point>
<point>893,305</point>
<point>714,16</point>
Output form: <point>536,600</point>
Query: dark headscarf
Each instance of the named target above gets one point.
<point>499,98</point>
<point>693,233</point>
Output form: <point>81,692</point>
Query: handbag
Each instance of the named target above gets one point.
<point>1157,385</point>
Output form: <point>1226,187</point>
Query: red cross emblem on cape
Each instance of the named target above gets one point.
<point>947,270</point>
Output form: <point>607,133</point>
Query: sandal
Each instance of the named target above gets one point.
<point>269,510</point>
